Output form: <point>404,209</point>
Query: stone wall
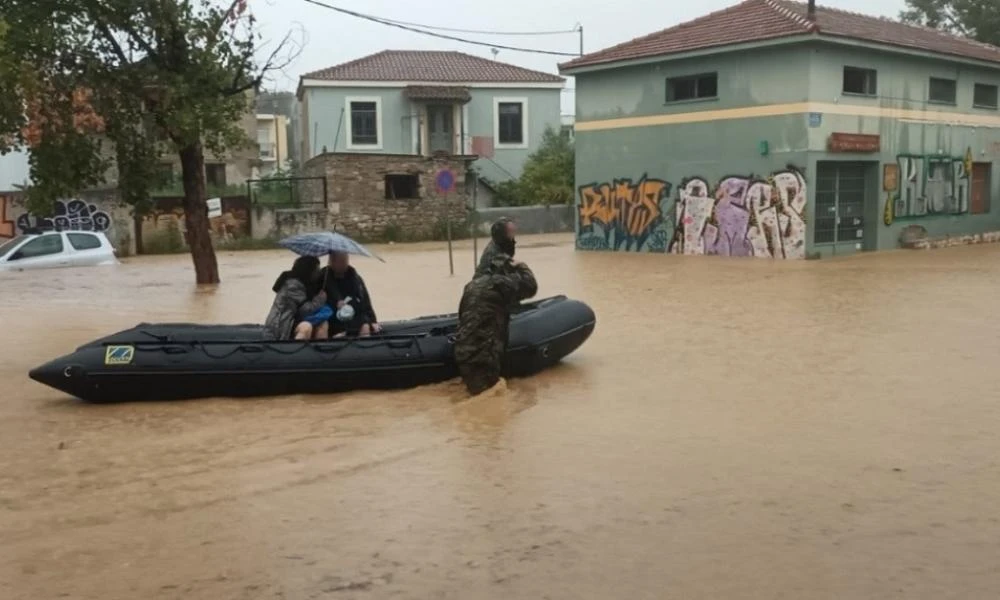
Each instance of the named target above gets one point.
<point>89,211</point>
<point>358,205</point>
<point>530,219</point>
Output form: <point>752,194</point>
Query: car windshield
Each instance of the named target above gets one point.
<point>6,246</point>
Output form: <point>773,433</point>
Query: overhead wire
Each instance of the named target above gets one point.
<point>416,29</point>
<point>483,31</point>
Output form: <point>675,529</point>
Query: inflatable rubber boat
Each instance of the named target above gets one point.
<point>173,361</point>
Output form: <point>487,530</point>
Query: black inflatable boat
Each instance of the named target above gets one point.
<point>181,361</point>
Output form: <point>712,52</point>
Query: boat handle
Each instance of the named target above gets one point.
<point>174,350</point>
<point>398,344</point>
<point>251,349</point>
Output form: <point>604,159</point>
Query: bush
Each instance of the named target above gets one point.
<point>548,176</point>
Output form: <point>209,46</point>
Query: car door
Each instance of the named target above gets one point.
<point>88,249</point>
<point>42,252</point>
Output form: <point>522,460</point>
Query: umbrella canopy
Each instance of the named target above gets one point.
<point>324,242</point>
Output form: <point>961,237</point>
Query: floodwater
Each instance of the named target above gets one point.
<point>733,429</point>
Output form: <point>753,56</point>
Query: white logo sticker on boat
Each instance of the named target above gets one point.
<point>119,355</point>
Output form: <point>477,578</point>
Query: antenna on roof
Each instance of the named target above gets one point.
<point>495,51</point>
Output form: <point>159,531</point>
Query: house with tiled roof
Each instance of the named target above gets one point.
<point>430,103</point>
<point>782,129</point>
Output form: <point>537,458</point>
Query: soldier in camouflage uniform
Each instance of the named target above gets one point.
<point>484,318</point>
<point>502,240</point>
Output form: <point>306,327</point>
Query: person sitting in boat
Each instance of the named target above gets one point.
<point>484,320</point>
<point>348,297</point>
<point>300,310</point>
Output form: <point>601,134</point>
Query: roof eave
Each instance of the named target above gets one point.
<point>700,52</point>
<point>362,83</point>
<point>915,52</point>
<point>780,41</point>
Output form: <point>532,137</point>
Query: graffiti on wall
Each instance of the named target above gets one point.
<point>745,216</point>
<point>739,216</point>
<point>74,215</point>
<point>929,185</point>
<point>622,214</point>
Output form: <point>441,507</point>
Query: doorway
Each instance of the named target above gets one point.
<point>979,198</point>
<point>843,219</point>
<point>440,127</point>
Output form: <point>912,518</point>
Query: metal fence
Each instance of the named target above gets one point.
<point>288,192</point>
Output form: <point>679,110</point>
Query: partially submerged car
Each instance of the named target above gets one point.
<point>38,249</point>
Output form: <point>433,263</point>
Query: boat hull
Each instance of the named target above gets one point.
<point>176,361</point>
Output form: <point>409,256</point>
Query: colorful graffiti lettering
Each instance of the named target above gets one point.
<point>622,213</point>
<point>930,185</point>
<point>75,215</point>
<point>745,216</point>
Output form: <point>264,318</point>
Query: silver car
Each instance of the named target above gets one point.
<point>54,249</point>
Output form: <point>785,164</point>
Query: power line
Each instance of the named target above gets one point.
<point>407,27</point>
<point>481,31</point>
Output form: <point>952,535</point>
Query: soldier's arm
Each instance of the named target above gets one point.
<point>517,285</point>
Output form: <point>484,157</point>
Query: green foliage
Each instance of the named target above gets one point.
<point>160,76</point>
<point>976,19</point>
<point>548,175</point>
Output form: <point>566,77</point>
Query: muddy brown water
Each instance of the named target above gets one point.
<point>733,429</point>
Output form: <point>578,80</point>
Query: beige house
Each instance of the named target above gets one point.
<point>272,138</point>
<point>234,168</point>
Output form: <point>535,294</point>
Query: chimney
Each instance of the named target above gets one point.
<point>811,12</point>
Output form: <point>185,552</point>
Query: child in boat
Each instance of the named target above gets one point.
<point>299,310</point>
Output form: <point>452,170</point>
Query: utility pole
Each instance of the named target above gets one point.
<point>579,29</point>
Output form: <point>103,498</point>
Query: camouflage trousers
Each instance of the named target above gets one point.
<point>480,366</point>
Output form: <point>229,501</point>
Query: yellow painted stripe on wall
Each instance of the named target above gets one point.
<point>795,108</point>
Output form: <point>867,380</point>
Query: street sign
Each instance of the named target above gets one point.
<point>214,207</point>
<point>445,180</point>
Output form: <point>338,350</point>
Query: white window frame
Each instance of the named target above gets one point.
<point>524,122</point>
<point>378,122</point>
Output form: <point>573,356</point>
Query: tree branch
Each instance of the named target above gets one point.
<point>269,65</point>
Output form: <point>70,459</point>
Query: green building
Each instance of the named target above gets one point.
<point>780,129</point>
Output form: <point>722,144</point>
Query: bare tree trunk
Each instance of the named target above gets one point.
<point>206,268</point>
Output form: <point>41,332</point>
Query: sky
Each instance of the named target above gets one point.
<point>328,38</point>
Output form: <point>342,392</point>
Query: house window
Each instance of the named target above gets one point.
<point>860,81</point>
<point>402,187</point>
<point>693,87</point>
<point>364,123</point>
<point>985,96</point>
<point>511,121</point>
<point>215,174</point>
<point>942,91</point>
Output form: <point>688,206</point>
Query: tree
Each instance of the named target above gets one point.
<point>116,83</point>
<point>976,19</point>
<point>547,177</point>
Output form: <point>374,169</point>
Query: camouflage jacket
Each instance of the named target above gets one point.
<point>490,253</point>
<point>484,312</point>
